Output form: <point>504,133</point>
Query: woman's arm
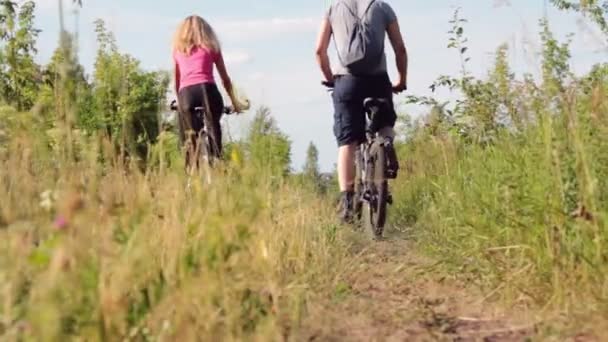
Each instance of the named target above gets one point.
<point>226,81</point>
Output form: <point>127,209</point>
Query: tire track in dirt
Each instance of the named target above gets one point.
<point>392,294</point>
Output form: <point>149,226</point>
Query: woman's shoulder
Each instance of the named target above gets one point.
<point>207,52</point>
<point>204,50</point>
<point>197,51</point>
<point>178,54</point>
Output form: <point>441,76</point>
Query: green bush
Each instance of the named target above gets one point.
<point>524,210</point>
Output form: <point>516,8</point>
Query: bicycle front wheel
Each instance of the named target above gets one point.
<point>205,158</point>
<point>211,150</point>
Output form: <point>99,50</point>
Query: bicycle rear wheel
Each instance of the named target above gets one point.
<point>359,188</point>
<point>379,191</point>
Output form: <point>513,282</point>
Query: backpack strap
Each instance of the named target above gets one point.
<point>359,18</point>
<point>367,9</point>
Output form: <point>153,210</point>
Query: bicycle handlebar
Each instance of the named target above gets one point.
<point>226,110</point>
<point>328,84</point>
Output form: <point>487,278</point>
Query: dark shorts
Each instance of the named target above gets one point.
<point>192,97</point>
<point>348,96</point>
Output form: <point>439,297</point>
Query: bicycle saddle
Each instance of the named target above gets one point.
<point>375,104</point>
<point>225,110</point>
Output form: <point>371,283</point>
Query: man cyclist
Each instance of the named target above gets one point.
<point>376,19</point>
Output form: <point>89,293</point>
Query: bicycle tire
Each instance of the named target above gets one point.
<point>203,158</point>
<point>213,149</point>
<point>359,188</point>
<point>379,186</point>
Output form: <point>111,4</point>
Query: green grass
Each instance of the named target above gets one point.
<point>524,216</point>
<point>143,258</point>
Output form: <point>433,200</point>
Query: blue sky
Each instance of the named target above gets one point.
<point>269,47</point>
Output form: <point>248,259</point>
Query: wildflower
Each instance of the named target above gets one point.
<point>60,223</point>
<point>236,157</point>
<point>68,210</point>
<point>47,200</point>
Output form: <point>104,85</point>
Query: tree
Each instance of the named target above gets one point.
<point>311,176</point>
<point>127,99</point>
<point>595,9</point>
<point>65,90</point>
<point>107,77</point>
<point>311,167</point>
<point>503,79</point>
<point>269,149</point>
<point>556,61</point>
<point>19,74</point>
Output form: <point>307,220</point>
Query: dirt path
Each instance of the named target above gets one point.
<point>392,294</point>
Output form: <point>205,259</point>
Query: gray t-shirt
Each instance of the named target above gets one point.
<point>379,16</point>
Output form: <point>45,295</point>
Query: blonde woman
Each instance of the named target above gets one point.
<point>196,50</point>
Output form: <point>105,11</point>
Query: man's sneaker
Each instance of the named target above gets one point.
<point>347,208</point>
<point>392,167</point>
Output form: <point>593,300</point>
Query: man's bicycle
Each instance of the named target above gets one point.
<point>203,149</point>
<point>372,195</point>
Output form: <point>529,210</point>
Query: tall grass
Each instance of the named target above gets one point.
<point>524,215</point>
<point>99,250</point>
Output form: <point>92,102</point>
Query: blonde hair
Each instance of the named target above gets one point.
<point>195,32</point>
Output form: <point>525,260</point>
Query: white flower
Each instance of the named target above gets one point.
<point>47,199</point>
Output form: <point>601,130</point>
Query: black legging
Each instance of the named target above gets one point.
<point>194,96</point>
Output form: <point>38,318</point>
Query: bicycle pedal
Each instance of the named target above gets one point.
<point>389,199</point>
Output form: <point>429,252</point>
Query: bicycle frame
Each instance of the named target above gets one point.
<point>371,183</point>
<point>363,162</point>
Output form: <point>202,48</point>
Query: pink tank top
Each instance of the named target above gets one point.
<point>195,68</point>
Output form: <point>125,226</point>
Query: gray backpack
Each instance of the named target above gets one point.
<point>361,52</point>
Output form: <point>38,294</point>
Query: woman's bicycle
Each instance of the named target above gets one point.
<point>203,149</point>
<point>372,195</point>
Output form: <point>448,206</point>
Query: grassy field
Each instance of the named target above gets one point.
<point>499,216</point>
<point>525,214</point>
<point>101,251</point>
<point>97,249</point>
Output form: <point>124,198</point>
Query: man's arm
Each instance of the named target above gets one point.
<point>322,47</point>
<point>401,58</point>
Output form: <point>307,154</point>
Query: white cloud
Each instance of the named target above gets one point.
<point>46,3</point>
<point>235,58</point>
<point>232,29</point>
<point>53,4</point>
<point>257,76</point>
<point>592,39</point>
<point>249,29</point>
